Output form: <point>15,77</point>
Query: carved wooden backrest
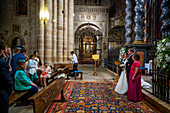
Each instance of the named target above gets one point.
<point>45,97</point>
<point>59,65</point>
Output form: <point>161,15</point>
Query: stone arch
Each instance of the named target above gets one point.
<point>89,24</point>
<point>87,35</point>
<point>14,36</point>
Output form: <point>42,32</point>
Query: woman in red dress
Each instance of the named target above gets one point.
<point>134,87</point>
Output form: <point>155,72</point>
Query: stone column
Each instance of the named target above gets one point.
<point>165,18</point>
<point>65,30</point>
<point>48,33</point>
<point>37,23</point>
<point>128,26</point>
<point>70,26</point>
<point>60,32</point>
<point>29,28</point>
<point>33,26</point>
<point>139,10</point>
<point>54,34</point>
<point>41,32</point>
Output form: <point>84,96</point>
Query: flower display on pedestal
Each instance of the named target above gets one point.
<point>163,54</point>
<point>122,50</point>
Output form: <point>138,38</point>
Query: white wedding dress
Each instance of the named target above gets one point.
<point>122,85</point>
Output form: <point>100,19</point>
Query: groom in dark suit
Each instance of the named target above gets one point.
<point>129,63</point>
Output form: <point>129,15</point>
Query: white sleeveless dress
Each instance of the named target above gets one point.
<point>122,85</point>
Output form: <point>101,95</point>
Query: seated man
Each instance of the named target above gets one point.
<point>46,73</point>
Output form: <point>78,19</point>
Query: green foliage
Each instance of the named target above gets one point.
<point>122,50</point>
<point>163,54</point>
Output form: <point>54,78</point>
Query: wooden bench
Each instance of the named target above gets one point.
<point>52,78</point>
<point>55,74</point>
<point>45,97</point>
<point>78,72</point>
<point>15,96</point>
<point>62,65</point>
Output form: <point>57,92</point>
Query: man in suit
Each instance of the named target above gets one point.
<point>6,84</point>
<point>129,63</point>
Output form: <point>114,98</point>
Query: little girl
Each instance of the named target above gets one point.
<point>32,68</point>
<point>45,74</point>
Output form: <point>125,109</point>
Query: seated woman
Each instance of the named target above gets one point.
<point>46,73</point>
<point>22,82</point>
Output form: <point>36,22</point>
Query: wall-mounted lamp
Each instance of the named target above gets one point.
<point>44,16</point>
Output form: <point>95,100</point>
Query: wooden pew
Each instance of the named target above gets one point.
<point>15,96</point>
<point>52,78</point>
<point>55,74</point>
<point>62,65</point>
<point>45,97</point>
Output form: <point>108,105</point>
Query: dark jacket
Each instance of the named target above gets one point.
<point>40,63</point>
<point>15,61</point>
<point>5,78</point>
<point>6,86</point>
<point>129,64</point>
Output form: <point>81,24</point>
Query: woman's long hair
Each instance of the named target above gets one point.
<point>21,65</point>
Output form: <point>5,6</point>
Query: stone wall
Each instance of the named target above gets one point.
<point>97,16</point>
<point>12,25</point>
<point>53,38</point>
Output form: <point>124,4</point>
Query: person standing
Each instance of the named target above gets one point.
<point>122,62</point>
<point>32,68</point>
<point>122,85</point>
<point>16,58</point>
<point>134,86</point>
<point>129,62</point>
<point>6,84</point>
<point>37,58</point>
<point>74,61</point>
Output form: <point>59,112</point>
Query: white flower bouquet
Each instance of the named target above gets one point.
<point>122,50</point>
<point>163,54</point>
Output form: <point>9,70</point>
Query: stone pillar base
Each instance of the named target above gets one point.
<point>126,44</point>
<point>139,42</point>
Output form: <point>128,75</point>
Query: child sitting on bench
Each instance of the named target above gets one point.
<point>46,73</point>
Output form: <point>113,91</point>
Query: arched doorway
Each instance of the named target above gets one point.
<point>17,42</point>
<point>87,42</point>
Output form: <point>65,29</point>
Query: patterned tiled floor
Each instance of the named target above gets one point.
<point>88,70</point>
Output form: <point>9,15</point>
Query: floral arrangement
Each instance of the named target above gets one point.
<point>163,54</point>
<point>122,50</point>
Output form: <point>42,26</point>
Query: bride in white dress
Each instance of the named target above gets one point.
<point>122,85</point>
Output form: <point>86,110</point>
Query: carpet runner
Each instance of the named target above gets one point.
<point>95,97</point>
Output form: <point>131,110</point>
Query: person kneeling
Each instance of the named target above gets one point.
<point>22,82</point>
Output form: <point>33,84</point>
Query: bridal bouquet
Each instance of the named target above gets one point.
<point>163,54</point>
